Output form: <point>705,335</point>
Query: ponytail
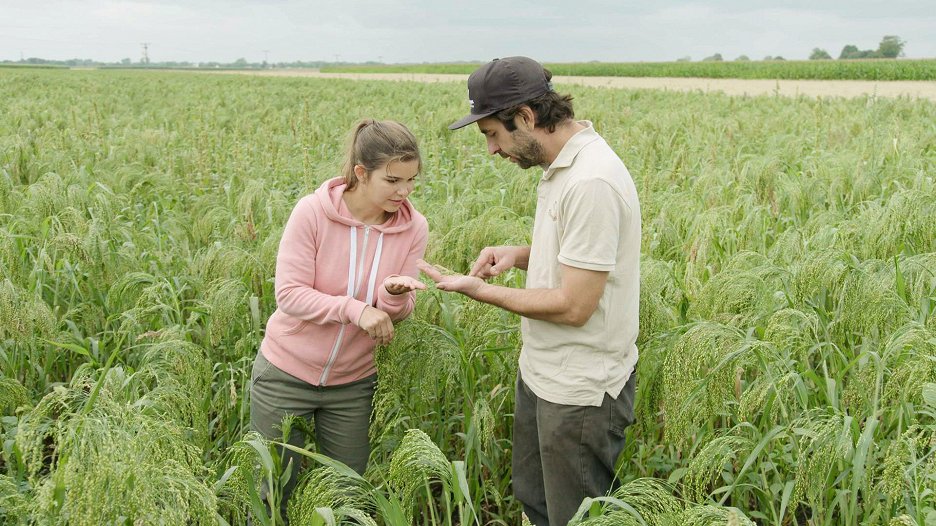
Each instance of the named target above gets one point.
<point>375,144</point>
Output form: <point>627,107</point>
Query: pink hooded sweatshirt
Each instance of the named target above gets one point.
<point>329,267</point>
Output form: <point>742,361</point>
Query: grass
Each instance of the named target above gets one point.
<point>789,279</point>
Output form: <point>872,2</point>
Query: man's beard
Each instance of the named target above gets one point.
<point>527,151</point>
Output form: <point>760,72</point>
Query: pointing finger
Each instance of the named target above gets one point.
<point>429,270</point>
<point>479,266</point>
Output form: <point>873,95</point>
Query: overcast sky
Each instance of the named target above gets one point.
<point>470,30</point>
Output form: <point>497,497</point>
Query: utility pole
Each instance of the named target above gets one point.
<point>145,59</point>
<point>337,58</point>
<point>265,54</point>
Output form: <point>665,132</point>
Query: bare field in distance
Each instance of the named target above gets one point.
<point>921,89</point>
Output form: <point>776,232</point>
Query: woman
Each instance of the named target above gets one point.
<point>345,271</point>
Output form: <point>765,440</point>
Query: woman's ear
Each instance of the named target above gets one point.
<point>360,172</point>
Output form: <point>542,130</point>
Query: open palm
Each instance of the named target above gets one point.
<point>402,284</point>
<point>467,285</point>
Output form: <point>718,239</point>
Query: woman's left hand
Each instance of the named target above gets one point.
<point>401,284</point>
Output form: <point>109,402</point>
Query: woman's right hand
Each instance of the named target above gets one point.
<point>377,324</point>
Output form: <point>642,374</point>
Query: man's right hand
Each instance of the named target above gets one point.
<point>495,260</point>
<point>377,324</point>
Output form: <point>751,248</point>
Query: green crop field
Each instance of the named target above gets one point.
<point>874,69</point>
<point>787,370</point>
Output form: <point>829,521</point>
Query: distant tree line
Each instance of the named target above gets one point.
<point>891,46</point>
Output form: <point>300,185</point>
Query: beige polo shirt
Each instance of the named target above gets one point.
<point>587,216</point>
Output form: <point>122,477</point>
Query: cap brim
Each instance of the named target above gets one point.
<point>468,120</point>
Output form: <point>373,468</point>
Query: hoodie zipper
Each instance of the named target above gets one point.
<point>354,288</point>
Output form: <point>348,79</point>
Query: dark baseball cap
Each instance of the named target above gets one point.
<point>503,83</point>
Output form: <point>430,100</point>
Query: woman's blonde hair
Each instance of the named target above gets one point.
<point>376,144</point>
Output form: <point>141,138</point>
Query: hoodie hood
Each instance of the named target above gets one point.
<point>329,194</point>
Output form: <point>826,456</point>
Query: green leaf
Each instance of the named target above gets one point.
<point>785,499</point>
<point>337,465</point>
<point>224,478</point>
<point>70,346</point>
<point>676,475</point>
<point>929,394</point>
<point>327,514</point>
<point>266,460</point>
<point>865,443</point>
<point>750,460</point>
<point>462,491</point>
<point>901,283</point>
<point>390,510</point>
<point>255,312</point>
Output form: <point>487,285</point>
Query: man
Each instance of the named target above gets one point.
<point>575,387</point>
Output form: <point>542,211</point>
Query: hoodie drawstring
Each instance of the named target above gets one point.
<point>373,271</point>
<point>355,273</point>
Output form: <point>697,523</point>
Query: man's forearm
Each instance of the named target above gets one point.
<point>539,304</point>
<point>522,258</point>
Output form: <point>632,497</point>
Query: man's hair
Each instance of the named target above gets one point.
<point>550,109</point>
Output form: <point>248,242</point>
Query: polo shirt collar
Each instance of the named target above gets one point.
<point>571,148</point>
